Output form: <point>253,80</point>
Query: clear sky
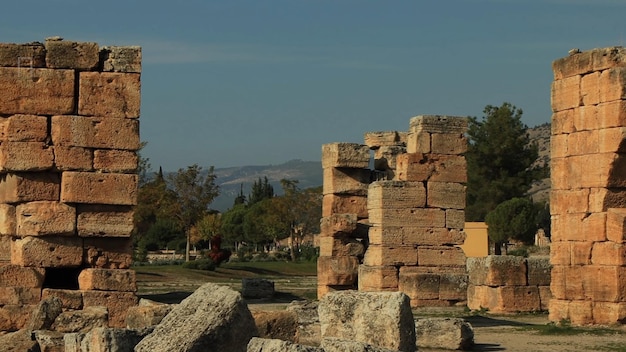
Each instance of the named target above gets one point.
<point>256,82</point>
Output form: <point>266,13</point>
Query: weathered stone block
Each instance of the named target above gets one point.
<point>385,157</point>
<point>580,252</point>
<point>514,299</point>
<point>37,91</point>
<point>538,271</point>
<point>112,160</point>
<point>453,286</point>
<point>73,158</point>
<point>110,94</point>
<point>257,288</point>
<point>612,84</point>
<point>419,217</point>
<point>28,55</point>
<point>121,58</point>
<point>545,295</point>
<point>572,65</point>
<point>25,156</point>
<point>497,270</point>
<point>565,93</point>
<point>70,299</point>
<point>378,278</point>
<point>581,312</point>
<point>583,142</point>
<point>338,224</point>
<point>8,222</point>
<point>378,255</point>
<point>19,295</point>
<point>611,114</point>
<point>350,155</point>
<point>431,167</point>
<point>590,88</point>
<point>44,218</point>
<point>341,246</point>
<point>605,283</point>
<point>24,128</point>
<point>438,124</point>
<point>560,253</point>
<point>447,195</point>
<point>418,142</point>
<point>375,140</point>
<point>117,304</point>
<point>609,313</point>
<point>411,235</point>
<point>344,204</point>
<point>569,201</point>
<point>146,314</point>
<point>95,132</point>
<point>14,317</point>
<point>579,227</point>
<point>419,283</point>
<point>47,251</point>
<point>616,225</point>
<point>440,256</point>
<point>81,56</point>
<point>18,276</point>
<point>337,270</point>
<point>558,145</point>
<point>558,310</point>
<point>601,199</point>
<point>104,221</point>
<point>99,188</point>
<point>26,187</point>
<point>107,280</point>
<point>346,181</point>
<point>448,143</point>
<point>455,219</point>
<point>108,252</point>
<point>396,194</point>
<point>563,122</point>
<point>608,253</point>
<point>444,333</point>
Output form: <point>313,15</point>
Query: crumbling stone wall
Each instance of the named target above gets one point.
<point>69,133</point>
<point>588,193</point>
<point>397,227</point>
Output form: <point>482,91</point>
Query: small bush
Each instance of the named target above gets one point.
<point>200,264</point>
<point>520,252</point>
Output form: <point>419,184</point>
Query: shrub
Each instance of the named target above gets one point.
<point>200,264</point>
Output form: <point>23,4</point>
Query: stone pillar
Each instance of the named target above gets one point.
<point>588,161</point>
<point>69,135</point>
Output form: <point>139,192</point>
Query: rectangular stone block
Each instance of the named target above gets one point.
<point>338,224</point>
<point>344,204</point>
<point>108,252</point>
<point>572,65</point>
<point>337,270</point>
<point>583,142</point>
<point>447,195</point>
<point>609,313</point>
<point>25,156</point>
<point>28,55</point>
<point>558,310</point>
<point>14,317</point>
<point>455,219</point>
<point>513,299</point>
<point>438,124</point>
<point>545,295</point>
<point>418,283</point>
<point>608,253</point>
<point>8,222</point>
<point>45,218</point>
<point>110,94</point>
<point>560,174</point>
<point>604,283</point>
<point>18,276</point>
<point>378,278</point>
<point>70,299</point>
<point>120,280</point>
<point>121,58</point>
<point>95,132</point>
<point>26,187</point>
<point>560,253</point>
<point>37,91</point>
<point>418,142</point>
<point>341,246</point>
<point>565,93</point>
<point>538,271</point>
<point>616,225</point>
<point>431,167</point>
<point>559,145</point>
<point>19,295</point>
<point>601,199</point>
<point>453,286</point>
<point>580,252</point>
<point>612,84</point>
<point>396,194</point>
<point>117,304</point>
<point>497,270</point>
<point>113,160</point>
<point>346,181</point>
<point>480,297</point>
<point>563,122</point>
<point>611,114</point>
<point>99,188</point>
<point>24,128</point>
<point>345,155</point>
<point>419,217</point>
<point>73,158</point>
<point>104,221</point>
<point>5,250</point>
<point>579,227</point>
<point>385,157</point>
<point>82,56</point>
<point>448,143</point>
<point>440,256</point>
<point>410,235</point>
<point>375,140</point>
<point>378,255</point>
<point>590,88</point>
<point>569,201</point>
<point>49,251</point>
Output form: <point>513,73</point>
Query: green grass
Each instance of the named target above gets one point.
<point>615,347</point>
<point>566,329</point>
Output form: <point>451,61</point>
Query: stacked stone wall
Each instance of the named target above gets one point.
<point>69,135</point>
<point>588,196</point>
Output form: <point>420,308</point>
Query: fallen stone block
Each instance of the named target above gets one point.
<point>257,344</point>
<point>278,324</point>
<point>444,333</point>
<point>50,341</point>
<point>146,314</point>
<point>70,299</point>
<point>44,314</point>
<point>331,344</point>
<point>337,270</point>
<point>308,332</point>
<point>103,339</point>
<point>257,288</point>
<point>81,320</point>
<point>19,341</point>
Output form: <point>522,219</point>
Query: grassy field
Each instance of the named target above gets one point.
<point>172,283</point>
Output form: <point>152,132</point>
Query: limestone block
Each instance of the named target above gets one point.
<point>24,128</point>
<point>605,283</point>
<point>107,280</point>
<point>580,252</point>
<point>83,320</point>
<point>611,114</point>
<point>438,124</point>
<point>440,256</point>
<point>444,333</point>
<point>49,251</point>
<point>455,219</point>
<point>558,145</point>
<point>497,270</point>
<point>344,204</point>
<point>612,84</point>
<point>431,167</point>
<point>25,156</point>
<point>19,295</point>
<point>538,271</point>
<point>604,58</point>
<point>569,201</point>
<point>558,310</point>
<point>375,140</point>
<point>583,142</point>
<point>419,217</point>
<point>411,235</point>
<point>447,195</point>
<point>345,155</point>
<point>108,252</point>
<point>396,194</point>
<point>545,295</point>
<point>418,142</point>
<point>104,221</point>
<point>616,225</point>
<point>213,316</point>
<point>323,290</point>
<point>572,65</point>
<point>609,313</point>
<point>44,218</point>
<point>601,199</point>
<point>341,246</point>
<point>513,299</point>
<point>14,317</point>
<point>117,304</point>
<point>338,224</point>
<point>121,58</point>
<point>581,312</point>
<point>26,187</point>
<point>37,91</point>
<point>453,286</point>
<point>112,160</point>
<point>567,282</point>
<point>27,55</point>
<point>257,344</point>
<point>590,88</point>
<point>565,93</point>
<point>587,118</point>
<point>73,158</point>
<point>600,170</point>
<point>95,132</point>
<point>8,222</point>
<point>560,174</point>
<point>579,227</point>
<point>337,270</point>
<point>378,278</point>
<point>70,299</point>
<point>346,180</point>
<point>110,94</point>
<point>81,56</point>
<point>448,143</point>
<point>146,315</point>
<point>110,339</point>
<point>99,188</point>
<point>377,255</point>
<point>383,319</point>
<point>50,341</point>
<point>276,324</point>
<point>332,344</point>
<point>5,250</point>
<point>419,283</point>
<point>385,157</point>
<point>18,276</point>
<point>610,140</point>
<point>563,121</point>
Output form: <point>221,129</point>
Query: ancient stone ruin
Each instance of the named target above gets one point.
<point>588,197</point>
<point>397,227</point>
<point>69,132</point>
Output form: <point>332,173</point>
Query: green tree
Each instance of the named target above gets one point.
<point>194,192</point>
<point>262,223</point>
<point>261,189</point>
<point>512,219</point>
<point>163,232</point>
<point>209,225</point>
<point>499,160</point>
<point>232,224</point>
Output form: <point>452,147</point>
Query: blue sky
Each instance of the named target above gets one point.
<point>256,82</point>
